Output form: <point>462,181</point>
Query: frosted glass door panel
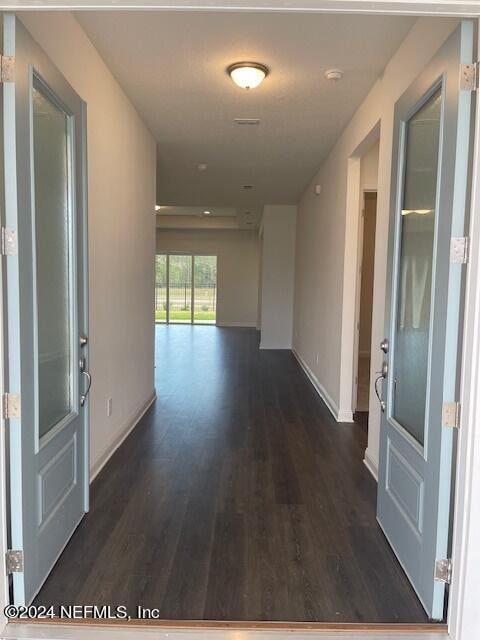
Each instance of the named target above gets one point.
<point>414,276</point>
<point>53,259</point>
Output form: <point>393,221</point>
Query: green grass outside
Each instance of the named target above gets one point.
<point>176,316</point>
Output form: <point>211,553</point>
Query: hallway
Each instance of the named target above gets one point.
<point>237,497</point>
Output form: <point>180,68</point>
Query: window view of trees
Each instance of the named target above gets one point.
<point>175,301</point>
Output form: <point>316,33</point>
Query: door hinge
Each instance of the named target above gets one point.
<point>451,415</point>
<point>7,69</point>
<point>443,570</point>
<point>459,250</point>
<point>11,406</point>
<point>9,244</point>
<point>469,77</point>
<point>14,561</point>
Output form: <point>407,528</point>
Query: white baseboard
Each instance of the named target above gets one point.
<point>345,416</point>
<point>371,465</point>
<point>246,325</point>
<point>124,433</point>
<point>319,388</point>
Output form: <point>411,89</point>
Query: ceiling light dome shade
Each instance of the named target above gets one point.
<point>247,75</point>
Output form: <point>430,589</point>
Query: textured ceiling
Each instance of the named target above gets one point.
<point>172,67</point>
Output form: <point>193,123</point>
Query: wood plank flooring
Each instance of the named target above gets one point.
<point>237,497</point>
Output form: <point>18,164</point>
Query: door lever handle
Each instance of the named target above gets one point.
<point>87,374</point>
<point>382,375</point>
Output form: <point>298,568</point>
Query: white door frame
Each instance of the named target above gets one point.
<point>464,613</point>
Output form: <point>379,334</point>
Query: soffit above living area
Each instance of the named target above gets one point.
<point>207,217</point>
<point>172,67</point>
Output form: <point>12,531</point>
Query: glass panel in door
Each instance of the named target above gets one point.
<point>53,248</point>
<point>205,291</point>
<point>415,262</point>
<point>180,288</point>
<point>161,288</point>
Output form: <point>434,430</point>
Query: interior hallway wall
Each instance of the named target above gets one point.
<point>322,233</point>
<point>237,267</point>
<point>260,278</point>
<point>121,235</point>
<point>278,266</point>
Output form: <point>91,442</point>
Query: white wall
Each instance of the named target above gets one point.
<point>121,238</point>
<point>278,266</point>
<point>325,240</point>
<point>237,267</point>
<point>369,168</point>
<point>260,278</point>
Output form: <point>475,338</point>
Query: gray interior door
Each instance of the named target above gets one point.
<point>423,313</point>
<point>46,293</point>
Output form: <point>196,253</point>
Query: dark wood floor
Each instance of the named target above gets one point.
<point>237,497</point>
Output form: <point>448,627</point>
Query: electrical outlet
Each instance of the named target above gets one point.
<point>109,407</point>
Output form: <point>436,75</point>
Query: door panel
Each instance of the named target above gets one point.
<point>429,183</point>
<point>46,294</point>
<point>161,288</point>
<point>205,289</point>
<point>180,289</point>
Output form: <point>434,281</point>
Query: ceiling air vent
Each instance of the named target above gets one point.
<point>247,121</point>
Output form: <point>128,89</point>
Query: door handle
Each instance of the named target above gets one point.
<point>87,374</point>
<point>382,375</point>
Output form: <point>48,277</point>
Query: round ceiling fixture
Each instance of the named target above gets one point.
<point>248,75</point>
<point>206,212</point>
<point>334,74</point>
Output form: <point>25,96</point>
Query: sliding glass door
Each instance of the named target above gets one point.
<point>185,289</point>
<point>161,301</point>
<point>205,289</point>
<point>180,289</point>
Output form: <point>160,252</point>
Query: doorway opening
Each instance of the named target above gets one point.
<point>185,289</point>
<point>243,452</point>
<point>366,272</point>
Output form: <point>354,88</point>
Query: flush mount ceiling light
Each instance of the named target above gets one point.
<point>206,212</point>
<point>334,74</point>
<point>248,75</point>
